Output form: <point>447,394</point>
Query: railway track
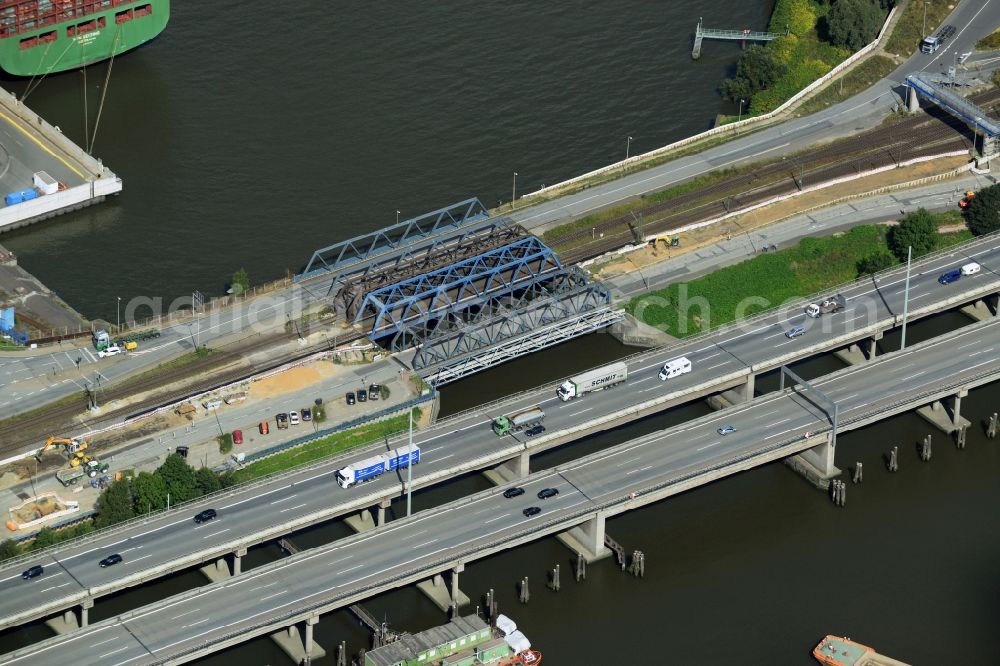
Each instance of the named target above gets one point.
<point>916,136</point>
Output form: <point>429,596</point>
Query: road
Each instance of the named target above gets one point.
<point>972,20</point>
<point>652,467</point>
<point>465,442</point>
<point>30,382</point>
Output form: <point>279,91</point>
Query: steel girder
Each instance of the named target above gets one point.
<point>954,104</point>
<point>457,368</point>
<point>360,248</point>
<point>506,319</point>
<point>465,284</point>
<point>427,258</point>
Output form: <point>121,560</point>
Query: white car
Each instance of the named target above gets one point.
<point>112,350</point>
<point>293,417</point>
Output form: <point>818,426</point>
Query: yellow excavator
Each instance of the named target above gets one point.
<point>74,448</point>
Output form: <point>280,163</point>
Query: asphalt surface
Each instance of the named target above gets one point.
<point>163,542</point>
<point>468,528</point>
<point>29,382</point>
<point>972,20</point>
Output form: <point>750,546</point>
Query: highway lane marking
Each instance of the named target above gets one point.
<point>628,462</point>
<point>256,497</point>
<point>329,564</point>
<point>217,533</point>
<point>912,376</point>
<point>644,379</point>
<point>311,478</point>
<point>583,410</point>
<point>284,499</point>
<point>426,543</point>
<point>140,558</point>
<point>187,613</point>
<point>108,654</point>
<point>270,596</point>
<point>293,508</point>
<point>707,446</point>
<point>491,520</point>
<point>437,460</point>
<point>113,638</point>
<point>981,351</point>
<point>55,587</point>
<point>346,570</point>
<point>771,425</point>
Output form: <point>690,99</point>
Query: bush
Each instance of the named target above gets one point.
<point>225,443</point>
<point>854,23</point>
<point>917,230</point>
<point>798,16</point>
<point>983,214</point>
<point>989,41</point>
<point>875,262</point>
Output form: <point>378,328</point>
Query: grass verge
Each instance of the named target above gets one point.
<point>911,26</point>
<point>860,78</point>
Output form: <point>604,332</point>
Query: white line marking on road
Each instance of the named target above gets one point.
<point>187,613</point>
<point>215,533</point>
<point>108,654</point>
<point>113,638</point>
<point>283,499</point>
<point>426,543</point>
<point>293,508</point>
<point>271,596</point>
<point>346,570</point>
<point>707,446</point>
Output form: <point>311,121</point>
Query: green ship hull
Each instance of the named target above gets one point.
<point>69,34</point>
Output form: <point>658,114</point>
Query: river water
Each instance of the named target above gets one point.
<point>249,138</point>
<point>250,134</point>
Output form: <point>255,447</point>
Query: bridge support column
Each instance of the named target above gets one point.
<point>587,539</point>
<point>438,592</point>
<point>301,649</point>
<point>237,561</point>
<point>816,464</point>
<point>85,611</point>
<point>735,396</point>
<point>217,570</point>
<point>861,351</point>
<point>380,512</point>
<point>912,101</point>
<point>65,623</point>
<point>982,309</point>
<point>361,522</point>
<point>514,469</point>
<point>945,419</point>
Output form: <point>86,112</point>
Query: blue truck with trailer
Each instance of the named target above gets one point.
<point>371,468</point>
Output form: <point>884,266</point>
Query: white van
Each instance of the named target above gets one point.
<point>971,268</point>
<point>678,366</point>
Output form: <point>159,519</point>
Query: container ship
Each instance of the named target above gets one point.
<point>837,651</point>
<point>44,36</point>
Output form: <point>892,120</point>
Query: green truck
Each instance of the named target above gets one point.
<point>503,425</point>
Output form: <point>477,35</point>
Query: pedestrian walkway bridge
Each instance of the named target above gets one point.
<point>744,35</point>
<point>926,85</point>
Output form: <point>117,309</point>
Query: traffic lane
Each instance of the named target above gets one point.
<point>364,560</point>
<point>110,645</point>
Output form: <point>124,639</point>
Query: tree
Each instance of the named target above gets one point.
<point>853,23</point>
<point>207,480</point>
<point>983,214</point>
<point>755,70</point>
<point>179,478</point>
<point>8,549</point>
<point>875,262</point>
<point>46,537</point>
<point>241,282</point>
<point>115,504</point>
<point>149,492</point>
<point>917,230</point>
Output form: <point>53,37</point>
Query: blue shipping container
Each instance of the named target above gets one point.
<point>13,198</point>
<point>28,195</point>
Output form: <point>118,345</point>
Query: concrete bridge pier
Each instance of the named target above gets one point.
<point>816,464</point>
<point>735,396</point>
<point>912,101</point>
<point>363,521</point>
<point>72,618</point>
<point>860,351</point>
<point>445,597</point>
<point>982,309</point>
<point>238,561</point>
<point>946,415</point>
<point>301,650</point>
<point>587,539</point>
<point>380,511</point>
<point>511,471</point>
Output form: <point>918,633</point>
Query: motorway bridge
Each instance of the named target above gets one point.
<point>727,359</point>
<point>592,489</point>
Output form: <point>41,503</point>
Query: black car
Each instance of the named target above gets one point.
<point>362,395</point>
<point>546,493</point>
<point>531,511</point>
<point>307,414</point>
<point>350,397</point>
<point>513,492</point>
<point>205,516</point>
<point>374,392</point>
<point>535,430</point>
<point>33,572</point>
<point>110,560</point>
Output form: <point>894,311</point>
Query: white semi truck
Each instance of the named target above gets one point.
<point>593,380</point>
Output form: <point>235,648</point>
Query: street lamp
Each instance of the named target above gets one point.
<point>397,217</point>
<point>923,30</point>
<point>628,144</point>
<point>740,116</point>
<point>119,329</point>
<point>513,192</point>
<point>906,299</point>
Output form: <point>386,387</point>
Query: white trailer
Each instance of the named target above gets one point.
<point>675,367</point>
<point>593,380</point>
